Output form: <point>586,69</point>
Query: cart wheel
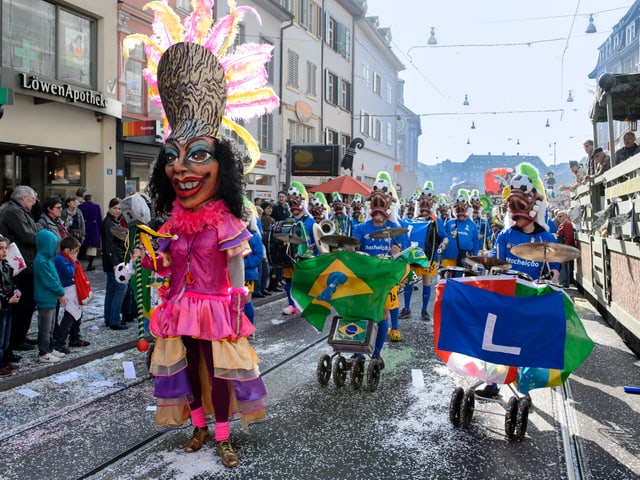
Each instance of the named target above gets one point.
<point>373,375</point>
<point>357,373</point>
<point>324,370</point>
<point>523,419</point>
<point>148,357</point>
<point>510,417</point>
<point>339,371</point>
<point>527,397</point>
<point>455,406</point>
<point>468,406</point>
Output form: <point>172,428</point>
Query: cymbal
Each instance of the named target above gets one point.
<point>489,262</point>
<point>339,240</point>
<point>286,238</point>
<point>389,233</point>
<point>545,252</point>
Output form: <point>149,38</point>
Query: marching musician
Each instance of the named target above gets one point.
<point>428,238</point>
<point>444,210</point>
<point>357,211</point>
<point>339,215</point>
<point>383,215</point>
<point>298,199</point>
<point>525,222</point>
<point>461,231</point>
<point>482,224</point>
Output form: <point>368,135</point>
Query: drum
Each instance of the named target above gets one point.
<point>456,272</point>
<point>517,273</point>
<point>280,254</point>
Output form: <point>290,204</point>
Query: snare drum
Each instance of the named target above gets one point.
<point>280,254</point>
<point>456,272</point>
<point>517,273</point>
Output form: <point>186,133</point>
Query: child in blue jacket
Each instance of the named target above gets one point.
<point>48,292</point>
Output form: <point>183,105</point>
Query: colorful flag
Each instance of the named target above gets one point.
<point>503,329</point>
<point>355,285</point>
<point>577,344</point>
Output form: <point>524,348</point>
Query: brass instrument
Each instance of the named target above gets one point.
<point>324,227</point>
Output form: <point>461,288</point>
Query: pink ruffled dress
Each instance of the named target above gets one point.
<point>196,304</point>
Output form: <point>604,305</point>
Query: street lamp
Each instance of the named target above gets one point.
<point>473,125</point>
<point>432,38</point>
<point>547,124</point>
<point>570,97</point>
<point>591,28</point>
<point>466,100</point>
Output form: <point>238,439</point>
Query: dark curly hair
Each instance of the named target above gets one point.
<point>230,190</point>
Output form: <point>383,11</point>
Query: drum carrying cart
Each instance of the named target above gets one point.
<point>357,337</point>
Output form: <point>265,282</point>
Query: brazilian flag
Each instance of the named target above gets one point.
<point>355,285</point>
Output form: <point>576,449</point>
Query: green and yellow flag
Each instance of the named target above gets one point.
<point>355,285</point>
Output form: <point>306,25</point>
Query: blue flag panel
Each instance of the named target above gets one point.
<point>515,331</point>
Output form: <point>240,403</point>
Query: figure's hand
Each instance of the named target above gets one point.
<point>395,249</point>
<point>62,300</point>
<point>166,259</point>
<point>555,276</point>
<point>137,253</point>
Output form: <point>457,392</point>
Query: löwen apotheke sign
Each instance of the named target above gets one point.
<point>66,91</point>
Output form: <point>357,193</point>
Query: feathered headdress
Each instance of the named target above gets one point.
<point>241,78</point>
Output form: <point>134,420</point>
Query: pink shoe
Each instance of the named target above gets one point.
<point>289,310</point>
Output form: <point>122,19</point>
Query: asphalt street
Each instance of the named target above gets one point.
<point>88,417</point>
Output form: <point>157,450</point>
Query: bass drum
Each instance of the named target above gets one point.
<point>280,254</point>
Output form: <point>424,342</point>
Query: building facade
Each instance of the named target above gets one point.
<point>82,116</point>
<point>619,53</point>
<point>60,60</point>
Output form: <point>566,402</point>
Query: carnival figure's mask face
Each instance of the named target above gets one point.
<point>380,199</point>
<point>426,202</point>
<point>356,208</point>
<point>461,210</point>
<point>476,205</point>
<point>410,209</point>
<point>338,209</point>
<point>295,201</point>
<point>443,210</point>
<point>192,170</point>
<point>522,199</point>
<point>316,209</point>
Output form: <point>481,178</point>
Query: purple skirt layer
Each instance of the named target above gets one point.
<point>250,390</point>
<point>173,386</point>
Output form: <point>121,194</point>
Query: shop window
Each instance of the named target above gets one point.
<point>63,170</point>
<point>29,32</point>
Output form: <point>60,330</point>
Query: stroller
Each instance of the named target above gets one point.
<point>521,341</point>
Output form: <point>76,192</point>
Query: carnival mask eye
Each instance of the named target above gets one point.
<point>200,155</point>
<point>171,155</point>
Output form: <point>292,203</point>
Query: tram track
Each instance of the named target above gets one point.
<point>575,459</point>
<point>139,446</point>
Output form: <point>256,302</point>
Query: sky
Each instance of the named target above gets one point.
<point>512,89</point>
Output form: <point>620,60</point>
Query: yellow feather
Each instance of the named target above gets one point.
<point>145,239</point>
<point>249,141</point>
<point>169,18</point>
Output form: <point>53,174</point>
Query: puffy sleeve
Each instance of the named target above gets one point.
<point>233,237</point>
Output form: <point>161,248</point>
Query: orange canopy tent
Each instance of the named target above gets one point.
<point>345,185</point>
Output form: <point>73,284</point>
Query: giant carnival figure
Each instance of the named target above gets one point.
<point>202,360</point>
